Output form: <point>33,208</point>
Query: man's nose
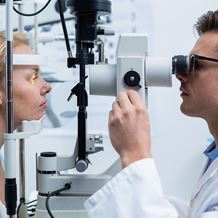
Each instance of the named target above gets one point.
<point>182,77</point>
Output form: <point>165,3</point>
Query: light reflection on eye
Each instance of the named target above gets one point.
<point>34,78</point>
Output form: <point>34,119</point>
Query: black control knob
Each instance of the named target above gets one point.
<point>48,154</point>
<point>132,79</point>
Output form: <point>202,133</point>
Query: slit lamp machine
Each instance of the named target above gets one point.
<point>62,195</point>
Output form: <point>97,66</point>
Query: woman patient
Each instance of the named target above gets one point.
<point>29,94</point>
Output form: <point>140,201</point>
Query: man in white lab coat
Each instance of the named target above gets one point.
<point>136,191</point>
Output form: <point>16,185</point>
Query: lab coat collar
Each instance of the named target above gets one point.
<point>212,151</point>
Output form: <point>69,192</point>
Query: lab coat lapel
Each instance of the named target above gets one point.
<point>206,175</point>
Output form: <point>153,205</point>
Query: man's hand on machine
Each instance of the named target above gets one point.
<point>129,128</point>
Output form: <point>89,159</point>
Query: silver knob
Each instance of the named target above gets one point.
<point>81,165</point>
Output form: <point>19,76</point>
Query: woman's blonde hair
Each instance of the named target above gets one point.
<point>18,38</point>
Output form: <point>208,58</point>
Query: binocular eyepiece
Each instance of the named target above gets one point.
<point>180,64</point>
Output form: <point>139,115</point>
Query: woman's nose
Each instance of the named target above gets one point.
<point>46,88</point>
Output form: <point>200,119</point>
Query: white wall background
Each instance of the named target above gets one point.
<point>177,140</point>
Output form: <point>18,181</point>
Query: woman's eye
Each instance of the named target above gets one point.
<point>33,79</point>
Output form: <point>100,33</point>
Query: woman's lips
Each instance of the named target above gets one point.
<point>43,105</point>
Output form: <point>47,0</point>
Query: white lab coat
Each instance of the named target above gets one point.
<point>2,210</point>
<point>136,192</point>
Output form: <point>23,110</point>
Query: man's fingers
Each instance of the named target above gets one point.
<point>124,100</point>
<point>115,113</point>
<point>116,108</point>
<point>111,116</point>
<point>135,99</point>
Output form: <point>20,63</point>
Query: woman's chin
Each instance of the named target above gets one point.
<point>37,117</point>
<point>40,116</point>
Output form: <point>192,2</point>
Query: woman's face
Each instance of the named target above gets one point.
<point>29,90</point>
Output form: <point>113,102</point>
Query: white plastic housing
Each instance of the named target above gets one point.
<point>102,80</point>
<point>108,80</point>
<point>158,71</point>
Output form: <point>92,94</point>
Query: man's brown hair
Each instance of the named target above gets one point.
<point>207,22</point>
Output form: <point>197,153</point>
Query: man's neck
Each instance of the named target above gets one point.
<point>213,127</point>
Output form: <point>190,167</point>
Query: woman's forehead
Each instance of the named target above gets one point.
<point>22,49</point>
<point>26,67</point>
